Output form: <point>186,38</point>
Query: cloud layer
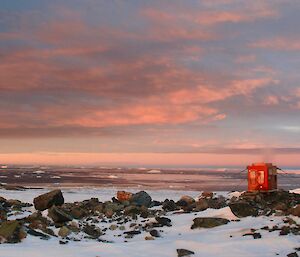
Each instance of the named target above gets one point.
<point>132,74</point>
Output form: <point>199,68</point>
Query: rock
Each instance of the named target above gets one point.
<point>217,203</point>
<point>78,212</point>
<point>163,221</point>
<point>184,252</point>
<point>154,233</point>
<point>61,242</point>
<point>207,194</point>
<point>13,187</point>
<point>149,238</point>
<point>169,205</point>
<point>3,213</point>
<point>92,231</point>
<point>295,211</point>
<point>293,255</point>
<point>122,228</point>
<point>11,232</point>
<point>255,235</point>
<point>133,232</point>
<point>243,209</point>
<point>41,235</point>
<point>187,199</point>
<point>201,205</point>
<point>64,232</point>
<point>155,203</point>
<point>46,201</point>
<point>123,196</point>
<point>113,227</point>
<point>37,221</point>
<point>141,198</point>
<point>109,213</point>
<point>58,215</point>
<point>280,206</point>
<point>208,222</point>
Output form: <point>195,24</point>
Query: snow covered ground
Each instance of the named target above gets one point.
<point>225,241</point>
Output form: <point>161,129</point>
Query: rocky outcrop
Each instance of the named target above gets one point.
<point>46,201</point>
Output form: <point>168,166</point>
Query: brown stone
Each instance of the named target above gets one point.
<point>46,201</point>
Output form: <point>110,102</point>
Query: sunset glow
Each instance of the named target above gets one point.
<point>185,83</point>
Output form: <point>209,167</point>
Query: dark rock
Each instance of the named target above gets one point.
<point>208,222</point>
<point>11,232</point>
<point>3,213</point>
<point>285,230</point>
<point>184,252</point>
<point>217,203</point>
<point>13,187</point>
<point>255,235</point>
<point>58,215</point>
<point>133,232</point>
<point>141,198</point>
<point>155,203</point>
<point>169,205</point>
<point>46,201</point>
<point>243,209</point>
<point>61,242</point>
<point>154,233</point>
<point>92,231</point>
<point>186,200</point>
<point>41,235</point>
<point>164,221</point>
<point>293,255</point>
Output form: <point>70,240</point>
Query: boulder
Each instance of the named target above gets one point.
<point>78,212</point>
<point>216,203</point>
<point>184,252</point>
<point>201,205</point>
<point>163,221</point>
<point>92,231</point>
<point>187,199</point>
<point>295,211</point>
<point>41,235</point>
<point>46,201</point>
<point>58,215</point>
<point>64,232</point>
<point>208,222</point>
<point>11,232</point>
<point>169,205</point>
<point>141,198</point>
<point>243,209</point>
<point>154,233</point>
<point>294,254</point>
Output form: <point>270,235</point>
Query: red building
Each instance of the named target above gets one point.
<point>262,177</point>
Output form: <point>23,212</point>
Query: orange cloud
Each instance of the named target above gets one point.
<point>206,94</point>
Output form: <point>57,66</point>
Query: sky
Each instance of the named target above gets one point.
<point>160,82</point>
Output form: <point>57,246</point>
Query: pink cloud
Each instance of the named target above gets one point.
<point>271,100</point>
<point>279,43</point>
